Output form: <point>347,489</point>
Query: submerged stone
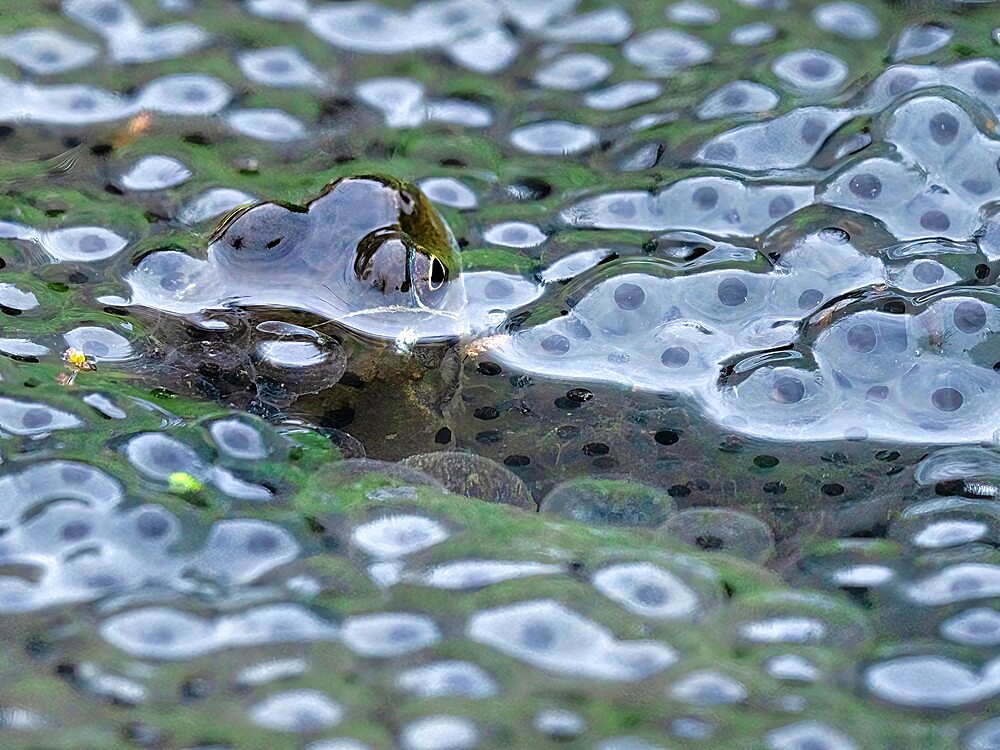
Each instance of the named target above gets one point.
<point>474,476</point>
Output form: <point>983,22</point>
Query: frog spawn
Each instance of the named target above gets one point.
<point>534,632</point>
<point>380,281</point>
<point>63,519</point>
<point>939,352</point>
<point>589,28</point>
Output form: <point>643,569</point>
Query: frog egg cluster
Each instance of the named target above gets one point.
<point>64,521</point>
<point>559,724</point>
<point>469,574</point>
<point>923,39</point>
<point>623,95</point>
<point>298,711</point>
<point>281,67</point>
<point>786,142</point>
<point>27,418</point>
<point>731,531</point>
<point>403,104</point>
<point>99,343</point>
<point>922,375</point>
<point>439,732</point>
<point>785,619</point>
<point>155,173</point>
<point>80,244</point>
<point>46,51</point>
<point>128,39</point>
<point>738,97</point>
<point>955,598</point>
<point>573,72</point>
<point>752,34</point>
<point>715,205</point>
<point>803,734</point>
<point>212,203</point>
<point>166,634</point>
<point>932,682</point>
<point>708,688</point>
<point>647,590</point>
<point>846,19</point>
<point>388,634</point>
<point>550,636</point>
<point>270,125</point>
<point>158,457</point>
<point>517,234</point>
<point>919,193</point>
<point>474,34</point>
<point>811,72</point>
<point>447,191</point>
<point>663,52</point>
<point>447,678</point>
<point>13,298</point>
<point>554,138</point>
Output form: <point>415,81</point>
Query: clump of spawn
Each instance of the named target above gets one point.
<point>806,334</point>
<point>288,296</point>
<point>370,254</point>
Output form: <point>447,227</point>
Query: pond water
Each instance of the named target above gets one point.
<point>467,374</point>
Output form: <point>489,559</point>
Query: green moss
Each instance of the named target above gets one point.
<point>490,259</point>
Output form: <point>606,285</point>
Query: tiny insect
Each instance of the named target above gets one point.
<point>76,362</point>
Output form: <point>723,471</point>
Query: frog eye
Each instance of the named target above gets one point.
<point>407,202</point>
<point>437,275</point>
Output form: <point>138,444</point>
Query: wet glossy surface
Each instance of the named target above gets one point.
<point>461,374</point>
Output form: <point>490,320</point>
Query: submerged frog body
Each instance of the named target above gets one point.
<point>370,253</point>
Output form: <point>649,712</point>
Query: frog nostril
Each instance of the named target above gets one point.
<point>237,242</point>
<point>274,243</point>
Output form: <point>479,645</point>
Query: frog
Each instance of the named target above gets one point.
<point>366,276</point>
<point>370,254</point>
